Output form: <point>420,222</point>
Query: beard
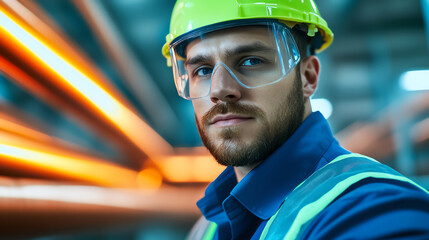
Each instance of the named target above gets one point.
<point>235,152</point>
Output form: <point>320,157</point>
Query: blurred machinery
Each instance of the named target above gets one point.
<point>90,141</point>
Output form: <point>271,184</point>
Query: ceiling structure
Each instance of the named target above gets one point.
<point>360,71</point>
<point>118,43</point>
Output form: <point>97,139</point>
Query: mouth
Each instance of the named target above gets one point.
<point>228,120</point>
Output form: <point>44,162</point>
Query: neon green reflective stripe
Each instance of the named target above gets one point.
<point>339,158</point>
<point>350,155</point>
<point>309,211</point>
<point>210,232</point>
<point>271,220</point>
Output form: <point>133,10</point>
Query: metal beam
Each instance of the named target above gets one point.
<point>425,9</point>
<point>134,75</point>
<point>40,64</point>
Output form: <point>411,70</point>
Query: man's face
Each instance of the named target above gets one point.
<point>242,126</point>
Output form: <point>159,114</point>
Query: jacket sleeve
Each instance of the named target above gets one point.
<point>374,209</point>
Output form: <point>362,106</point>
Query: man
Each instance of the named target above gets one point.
<point>249,68</point>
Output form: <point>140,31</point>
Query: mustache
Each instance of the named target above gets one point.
<point>235,108</point>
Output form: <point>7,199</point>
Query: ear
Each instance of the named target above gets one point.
<point>310,69</point>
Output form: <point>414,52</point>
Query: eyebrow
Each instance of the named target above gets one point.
<point>198,59</point>
<point>254,47</point>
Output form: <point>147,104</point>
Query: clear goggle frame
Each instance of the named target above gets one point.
<point>258,53</point>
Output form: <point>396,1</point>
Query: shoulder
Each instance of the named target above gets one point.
<point>374,208</point>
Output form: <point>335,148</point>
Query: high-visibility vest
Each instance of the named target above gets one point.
<point>312,196</point>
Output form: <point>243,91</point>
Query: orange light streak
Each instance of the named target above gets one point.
<point>189,168</point>
<point>83,88</point>
<point>67,167</point>
<point>40,25</point>
<point>65,160</point>
<point>133,74</point>
<point>149,178</point>
<point>15,128</point>
<point>94,95</point>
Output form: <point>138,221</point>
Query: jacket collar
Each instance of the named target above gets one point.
<point>264,189</point>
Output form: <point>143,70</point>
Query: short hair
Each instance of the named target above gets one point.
<point>306,45</point>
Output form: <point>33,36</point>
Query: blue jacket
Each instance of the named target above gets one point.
<point>372,208</point>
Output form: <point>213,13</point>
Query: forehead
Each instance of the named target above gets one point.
<point>224,40</point>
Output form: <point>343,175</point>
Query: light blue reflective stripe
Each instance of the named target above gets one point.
<point>268,225</point>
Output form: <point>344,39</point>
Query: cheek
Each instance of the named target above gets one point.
<point>201,106</point>
<point>273,98</point>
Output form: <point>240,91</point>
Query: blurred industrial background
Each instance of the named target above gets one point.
<point>96,144</point>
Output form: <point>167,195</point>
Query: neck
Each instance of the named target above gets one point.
<point>241,172</point>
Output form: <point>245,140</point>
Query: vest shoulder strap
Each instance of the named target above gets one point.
<point>314,194</point>
<point>202,230</point>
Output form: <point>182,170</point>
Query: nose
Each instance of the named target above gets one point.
<point>224,87</point>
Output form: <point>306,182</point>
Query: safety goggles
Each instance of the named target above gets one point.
<point>253,53</point>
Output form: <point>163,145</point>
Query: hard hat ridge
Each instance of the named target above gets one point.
<point>189,15</point>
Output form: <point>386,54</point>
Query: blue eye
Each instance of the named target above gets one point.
<point>204,71</point>
<point>251,62</point>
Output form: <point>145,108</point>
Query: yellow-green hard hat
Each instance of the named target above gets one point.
<point>189,15</point>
